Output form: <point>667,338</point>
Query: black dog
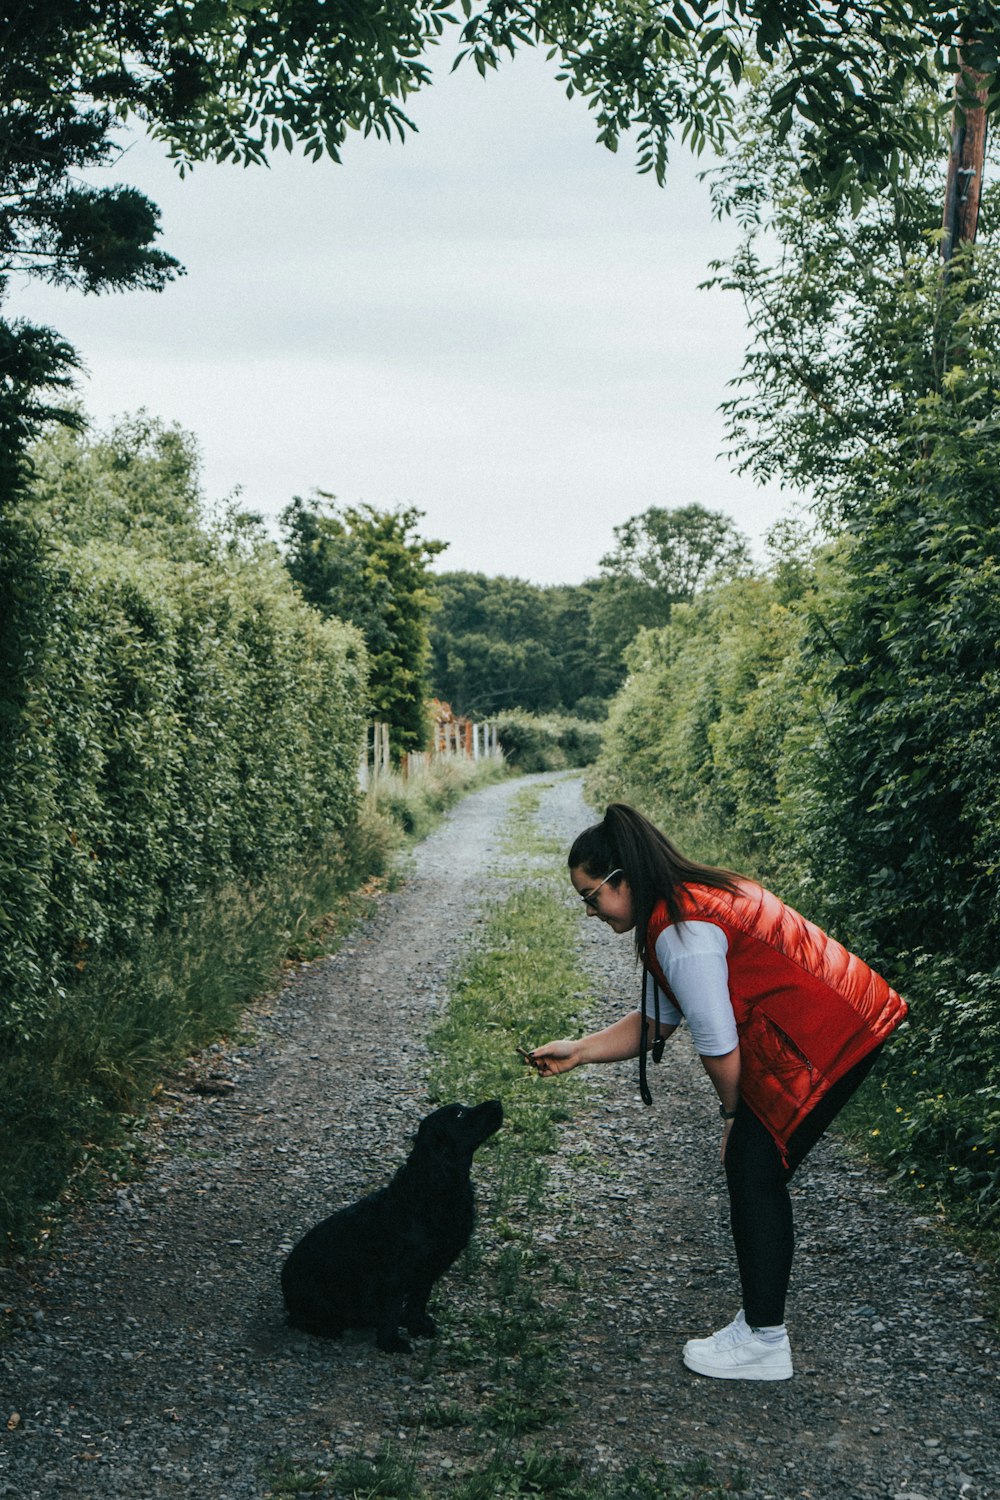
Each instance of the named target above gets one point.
<point>375,1262</point>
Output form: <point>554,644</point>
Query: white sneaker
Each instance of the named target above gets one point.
<point>736,1352</point>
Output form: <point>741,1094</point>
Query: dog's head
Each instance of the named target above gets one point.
<point>453,1132</point>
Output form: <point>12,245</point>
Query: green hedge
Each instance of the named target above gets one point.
<point>698,735</point>
<point>868,808</point>
<point>549,742</point>
<point>168,727</point>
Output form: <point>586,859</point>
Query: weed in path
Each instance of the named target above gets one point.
<point>506,1474</point>
<point>520,833</point>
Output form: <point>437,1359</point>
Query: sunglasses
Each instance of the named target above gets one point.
<point>590,898</point>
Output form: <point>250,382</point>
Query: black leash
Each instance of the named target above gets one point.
<point>659,1041</point>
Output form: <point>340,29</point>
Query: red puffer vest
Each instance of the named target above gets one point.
<point>806,1009</point>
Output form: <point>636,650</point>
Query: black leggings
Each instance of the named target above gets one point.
<point>759,1204</point>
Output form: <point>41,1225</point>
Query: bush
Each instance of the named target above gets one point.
<point>936,1121</point>
<point>169,728</point>
<point>840,745</point>
<point>179,800</point>
<point>179,736</point>
<point>697,736</point>
<point>534,742</point>
<point>65,1090</point>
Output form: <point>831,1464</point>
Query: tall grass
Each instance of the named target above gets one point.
<point>414,803</point>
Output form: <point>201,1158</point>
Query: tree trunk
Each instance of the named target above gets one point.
<point>965,164</point>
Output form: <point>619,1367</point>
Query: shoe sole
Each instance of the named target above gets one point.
<point>746,1372</point>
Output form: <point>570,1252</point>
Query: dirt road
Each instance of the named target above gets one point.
<point>149,1356</point>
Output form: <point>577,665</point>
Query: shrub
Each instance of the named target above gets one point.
<point>169,728</point>
<point>697,736</point>
<point>414,803</point>
<point>535,742</point>
<point>179,801</point>
<point>841,747</point>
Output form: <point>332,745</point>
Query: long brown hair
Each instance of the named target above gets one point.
<point>654,867</point>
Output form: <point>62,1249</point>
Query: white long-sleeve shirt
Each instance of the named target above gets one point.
<point>693,957</point>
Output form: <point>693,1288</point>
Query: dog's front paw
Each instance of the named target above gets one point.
<point>422,1326</point>
<point>394,1343</point>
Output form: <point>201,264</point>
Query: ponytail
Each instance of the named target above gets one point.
<point>653,867</point>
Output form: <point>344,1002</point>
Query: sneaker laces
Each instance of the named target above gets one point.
<point>736,1332</point>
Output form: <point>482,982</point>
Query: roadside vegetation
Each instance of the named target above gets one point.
<point>74,1097</point>
<point>180,811</point>
<point>829,725</point>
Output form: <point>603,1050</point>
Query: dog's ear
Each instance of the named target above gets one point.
<point>428,1131</point>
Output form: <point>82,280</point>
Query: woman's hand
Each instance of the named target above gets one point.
<point>727,1127</point>
<point>553,1058</point>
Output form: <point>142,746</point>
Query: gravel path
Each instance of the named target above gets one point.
<point>149,1356</point>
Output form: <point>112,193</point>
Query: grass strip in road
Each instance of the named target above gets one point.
<point>521,835</point>
<point>521,987</point>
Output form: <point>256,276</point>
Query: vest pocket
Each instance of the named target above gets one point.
<point>777,1077</point>
<point>788,1043</point>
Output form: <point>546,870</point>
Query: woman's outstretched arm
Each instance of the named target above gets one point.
<point>616,1042</point>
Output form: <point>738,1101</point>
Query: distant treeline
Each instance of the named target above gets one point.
<point>484,644</point>
<point>501,642</point>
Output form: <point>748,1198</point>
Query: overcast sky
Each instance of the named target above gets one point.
<point>497,322</point>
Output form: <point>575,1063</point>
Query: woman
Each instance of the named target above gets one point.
<point>787,1024</point>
